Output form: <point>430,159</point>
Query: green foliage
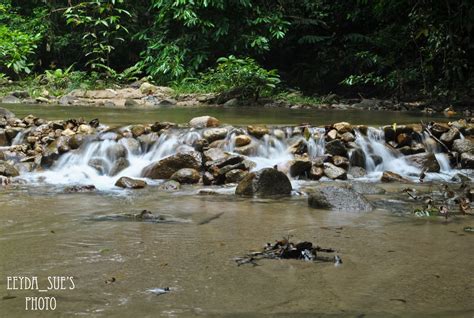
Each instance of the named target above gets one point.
<point>101,21</point>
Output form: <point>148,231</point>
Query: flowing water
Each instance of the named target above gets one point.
<point>394,264</point>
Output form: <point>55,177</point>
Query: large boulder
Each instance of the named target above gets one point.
<point>467,160</point>
<point>6,113</point>
<point>339,198</point>
<point>166,167</point>
<point>214,154</point>
<point>358,158</point>
<point>336,148</point>
<point>186,175</point>
<point>258,131</point>
<point>343,127</point>
<point>425,161</point>
<point>119,165</point>
<point>204,121</point>
<point>8,170</point>
<point>300,168</point>
<point>265,182</point>
<point>242,140</point>
<point>129,183</point>
<point>449,136</point>
<point>333,172</point>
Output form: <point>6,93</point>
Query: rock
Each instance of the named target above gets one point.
<point>148,89</point>
<point>66,100</point>
<point>159,126</point>
<point>426,162</point>
<point>21,94</point>
<point>316,173</point>
<point>137,130</point>
<point>332,134</point>
<point>342,127</point>
<point>418,148</point>
<point>242,140</point>
<point>439,128</point>
<point>300,168</point>
<point>467,160</point>
<point>212,134</point>
<point>186,175</point>
<point>348,137</point>
<point>336,148</point>
<point>98,164</point>
<point>248,150</point>
<point>235,175</point>
<point>265,182</point>
<point>225,161</point>
<point>376,159</point>
<point>404,140</point>
<point>214,154</point>
<point>80,188</point>
<point>10,99</point>
<point>129,102</point>
<point>166,167</point>
<point>8,170</point>
<point>85,129</point>
<point>170,185</point>
<point>116,151</point>
<point>339,198</point>
<point>463,145</point>
<point>357,172</point>
<point>333,172</point>
<point>341,162</point>
<point>5,113</point>
<point>358,158</point>
<point>68,132</point>
<point>389,176</point>
<point>279,134</point>
<point>133,145</point>
<point>258,131</point>
<point>129,183</point>
<point>42,100</point>
<point>448,137</point>
<point>232,102</point>
<point>208,178</point>
<point>3,138</point>
<point>119,165</point>
<point>204,121</point>
<point>367,188</point>
<point>298,148</point>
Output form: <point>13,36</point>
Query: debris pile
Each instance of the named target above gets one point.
<point>284,249</point>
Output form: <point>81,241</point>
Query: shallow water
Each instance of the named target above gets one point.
<point>393,263</point>
<point>232,115</point>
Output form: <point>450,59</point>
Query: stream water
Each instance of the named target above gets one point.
<point>394,264</point>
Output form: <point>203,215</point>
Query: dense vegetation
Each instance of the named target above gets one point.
<point>381,47</point>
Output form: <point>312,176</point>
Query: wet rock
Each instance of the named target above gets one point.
<point>208,178</point>
<point>5,113</point>
<point>389,133</point>
<point>159,126</point>
<point>148,89</point>
<point>300,168</point>
<point>214,154</point>
<point>80,188</point>
<point>248,150</point>
<point>186,175</point>
<point>448,137</point>
<point>68,132</point>
<point>438,129</point>
<point>235,175</point>
<point>358,158</point>
<point>242,140</point>
<point>10,99</point>
<point>339,198</point>
<point>341,162</point>
<point>467,160</point>
<point>367,188</point>
<point>3,138</point>
<point>404,140</point>
<point>316,172</point>
<point>170,185</point>
<point>98,164</point>
<point>258,131</point>
<point>336,148</point>
<point>426,162</point>
<point>8,170</point>
<point>145,142</point>
<point>204,121</point>
<point>265,182</point>
<point>133,145</point>
<point>463,145</point>
<point>333,172</point>
<point>342,127</point>
<point>129,183</point>
<point>218,143</point>
<point>119,165</point>
<point>116,151</point>
<point>279,134</point>
<point>137,130</point>
<point>212,134</point>
<point>389,176</point>
<point>225,161</point>
<point>298,148</point>
<point>347,137</point>
<point>332,134</point>
<point>418,148</point>
<point>130,102</point>
<point>376,159</point>
<point>166,167</point>
<point>357,172</point>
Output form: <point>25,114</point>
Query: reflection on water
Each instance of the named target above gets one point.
<point>393,265</point>
<point>234,116</point>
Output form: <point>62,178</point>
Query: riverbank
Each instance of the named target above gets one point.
<point>143,95</point>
